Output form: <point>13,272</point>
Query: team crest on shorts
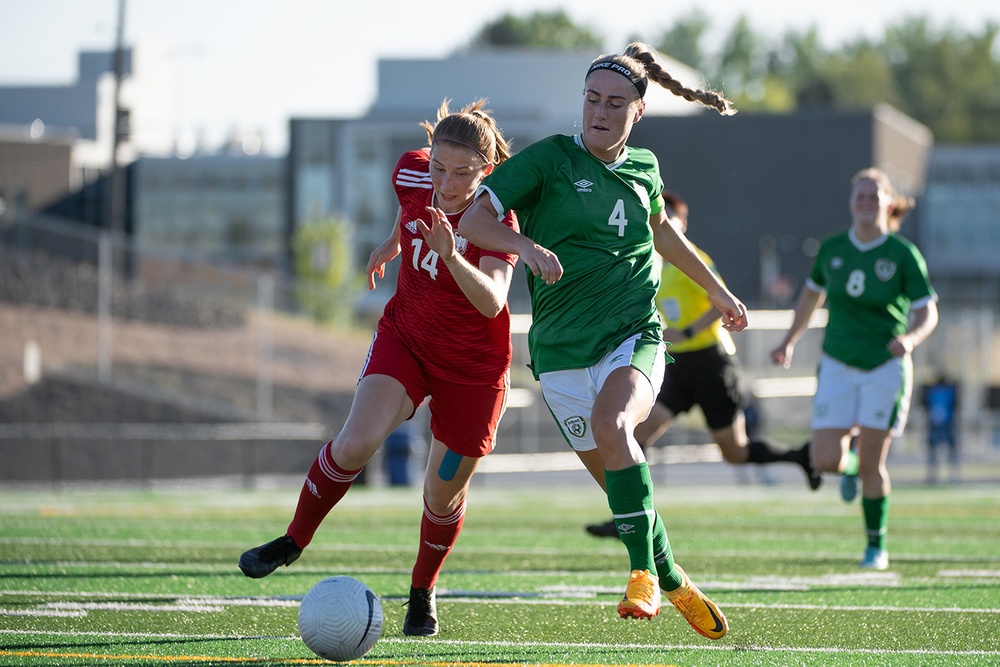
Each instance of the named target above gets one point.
<point>577,426</point>
<point>885,269</point>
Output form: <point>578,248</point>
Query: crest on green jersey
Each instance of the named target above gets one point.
<point>577,426</point>
<point>885,269</point>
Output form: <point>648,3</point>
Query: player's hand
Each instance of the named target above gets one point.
<point>782,355</point>
<point>439,234</point>
<point>542,262</point>
<point>734,313</point>
<point>900,346</point>
<point>377,260</point>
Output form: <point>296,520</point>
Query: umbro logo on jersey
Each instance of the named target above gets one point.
<point>583,185</point>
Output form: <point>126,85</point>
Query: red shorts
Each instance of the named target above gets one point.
<point>463,416</point>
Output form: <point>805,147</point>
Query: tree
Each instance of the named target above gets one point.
<point>326,282</point>
<point>552,30</point>
<point>743,61</point>
<point>860,77</point>
<point>944,78</point>
<point>683,40</point>
<point>949,81</point>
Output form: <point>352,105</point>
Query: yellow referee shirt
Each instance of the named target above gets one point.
<point>682,301</point>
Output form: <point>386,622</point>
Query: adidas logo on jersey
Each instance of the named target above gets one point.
<point>412,226</point>
<point>583,185</point>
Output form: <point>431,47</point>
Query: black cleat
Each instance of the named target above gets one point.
<point>421,613</point>
<point>814,477</point>
<point>265,559</point>
<point>607,529</point>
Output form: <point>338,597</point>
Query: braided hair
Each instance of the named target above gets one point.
<point>641,59</point>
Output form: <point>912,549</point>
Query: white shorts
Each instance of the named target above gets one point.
<point>570,394</point>
<point>848,396</point>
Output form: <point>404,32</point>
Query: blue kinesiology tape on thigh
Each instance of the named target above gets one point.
<point>449,465</point>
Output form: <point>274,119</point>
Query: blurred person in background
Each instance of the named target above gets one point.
<point>705,372</point>
<point>881,306</point>
<point>593,216</point>
<point>940,401</point>
<point>445,334</point>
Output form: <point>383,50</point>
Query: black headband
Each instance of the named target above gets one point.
<point>639,82</point>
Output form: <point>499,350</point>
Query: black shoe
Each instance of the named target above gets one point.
<point>265,559</point>
<point>813,476</point>
<point>421,613</point>
<point>607,529</point>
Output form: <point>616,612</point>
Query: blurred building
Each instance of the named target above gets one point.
<point>765,189</point>
<point>84,108</point>
<point>229,207</point>
<point>958,220</point>
<point>56,147</point>
<point>34,171</point>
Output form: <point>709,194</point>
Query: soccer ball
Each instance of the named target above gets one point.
<point>340,619</point>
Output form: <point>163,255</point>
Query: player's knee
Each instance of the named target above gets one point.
<point>352,453</point>
<point>442,501</point>
<point>606,427</point>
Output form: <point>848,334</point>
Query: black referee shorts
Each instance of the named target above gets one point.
<point>710,379</point>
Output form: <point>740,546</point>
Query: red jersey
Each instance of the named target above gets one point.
<point>429,311</point>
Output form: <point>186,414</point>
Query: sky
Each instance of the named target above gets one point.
<point>250,65</point>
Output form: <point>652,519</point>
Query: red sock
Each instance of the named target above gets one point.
<point>325,485</point>
<point>437,536</point>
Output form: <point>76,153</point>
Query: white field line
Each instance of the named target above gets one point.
<point>514,644</point>
<point>40,612</point>
<point>977,574</point>
<point>216,604</point>
<point>177,606</point>
<point>897,557</point>
<point>710,647</point>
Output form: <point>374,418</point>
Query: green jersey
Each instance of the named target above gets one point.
<point>870,289</point>
<point>595,218</point>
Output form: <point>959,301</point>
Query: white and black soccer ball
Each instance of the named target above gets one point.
<point>340,619</point>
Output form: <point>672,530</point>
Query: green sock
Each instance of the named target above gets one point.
<point>876,520</point>
<point>852,465</point>
<point>630,497</point>
<point>663,556</point>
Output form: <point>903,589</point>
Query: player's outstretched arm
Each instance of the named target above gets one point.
<point>676,249</point>
<point>809,301</point>
<point>386,252</point>
<point>480,226</point>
